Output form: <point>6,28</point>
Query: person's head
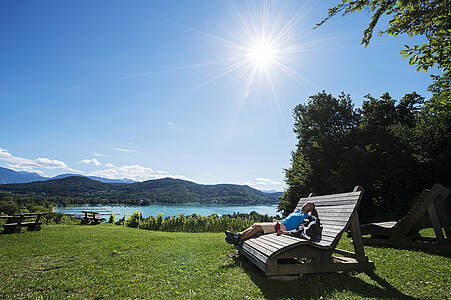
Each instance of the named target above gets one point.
<point>308,207</point>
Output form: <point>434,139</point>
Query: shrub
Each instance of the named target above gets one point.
<point>59,218</point>
<point>112,218</point>
<point>134,220</point>
<point>196,223</point>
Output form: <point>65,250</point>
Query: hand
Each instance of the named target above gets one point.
<point>284,232</point>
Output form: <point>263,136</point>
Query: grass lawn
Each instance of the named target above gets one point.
<point>107,261</point>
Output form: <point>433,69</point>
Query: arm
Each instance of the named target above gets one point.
<point>290,232</point>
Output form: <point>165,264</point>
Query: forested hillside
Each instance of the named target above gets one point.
<point>81,190</point>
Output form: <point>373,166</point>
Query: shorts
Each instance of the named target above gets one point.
<point>270,227</point>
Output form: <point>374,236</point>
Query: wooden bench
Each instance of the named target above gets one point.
<point>428,210</point>
<point>15,222</point>
<point>286,255</point>
<point>91,218</point>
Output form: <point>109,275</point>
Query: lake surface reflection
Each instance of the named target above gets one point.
<point>170,210</point>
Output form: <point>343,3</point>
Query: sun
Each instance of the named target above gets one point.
<point>262,54</point>
<point>258,49</point>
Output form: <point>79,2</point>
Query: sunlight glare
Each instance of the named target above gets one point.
<point>263,54</point>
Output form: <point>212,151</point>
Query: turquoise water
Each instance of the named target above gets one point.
<point>170,210</point>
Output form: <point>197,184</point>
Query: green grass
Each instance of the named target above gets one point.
<point>107,261</point>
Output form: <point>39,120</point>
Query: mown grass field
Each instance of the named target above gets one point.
<point>112,262</point>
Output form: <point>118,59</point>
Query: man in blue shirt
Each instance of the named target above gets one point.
<point>291,222</point>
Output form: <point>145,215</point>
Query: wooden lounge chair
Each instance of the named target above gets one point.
<point>429,209</point>
<point>286,255</point>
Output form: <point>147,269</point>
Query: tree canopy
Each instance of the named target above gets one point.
<point>394,149</point>
<point>428,18</point>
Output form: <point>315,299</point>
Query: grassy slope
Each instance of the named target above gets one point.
<point>106,261</point>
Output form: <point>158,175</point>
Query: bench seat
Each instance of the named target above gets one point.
<point>10,224</point>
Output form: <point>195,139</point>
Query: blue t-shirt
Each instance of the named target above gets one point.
<point>293,220</point>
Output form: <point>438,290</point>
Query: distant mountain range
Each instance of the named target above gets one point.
<point>11,176</point>
<point>8,176</point>
<point>166,190</point>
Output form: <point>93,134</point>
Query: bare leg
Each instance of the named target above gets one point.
<point>251,231</point>
<point>245,232</point>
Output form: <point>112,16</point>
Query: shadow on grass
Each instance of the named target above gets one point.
<point>445,252</point>
<point>318,285</point>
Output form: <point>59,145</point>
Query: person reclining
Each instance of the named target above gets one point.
<point>289,223</point>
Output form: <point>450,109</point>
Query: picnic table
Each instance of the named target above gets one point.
<point>91,218</point>
<point>15,222</point>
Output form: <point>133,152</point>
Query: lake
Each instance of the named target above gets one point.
<point>170,210</point>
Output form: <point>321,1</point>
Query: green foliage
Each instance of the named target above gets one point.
<point>9,207</point>
<point>112,218</point>
<point>12,204</point>
<point>428,18</point>
<point>53,218</point>
<point>194,222</point>
<point>134,220</point>
<point>393,149</point>
<point>441,94</point>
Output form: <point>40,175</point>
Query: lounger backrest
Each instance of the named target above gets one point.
<point>418,210</point>
<point>334,212</point>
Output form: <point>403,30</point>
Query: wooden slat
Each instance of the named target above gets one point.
<point>326,242</point>
<point>263,244</point>
<point>332,198</point>
<point>341,195</point>
<point>261,248</point>
<point>328,204</point>
<point>291,239</point>
<point>256,254</point>
<point>331,232</point>
<point>277,243</point>
<point>279,240</point>
<point>258,263</point>
<point>333,214</point>
<point>331,222</point>
<point>334,227</point>
<point>332,208</point>
<point>323,243</point>
<point>328,237</point>
<point>336,222</point>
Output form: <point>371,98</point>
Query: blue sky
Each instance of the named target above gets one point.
<point>149,89</point>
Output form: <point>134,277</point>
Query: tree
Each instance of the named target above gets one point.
<point>320,126</point>
<point>428,18</point>
<point>394,149</point>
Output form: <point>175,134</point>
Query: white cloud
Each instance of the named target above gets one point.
<point>126,150</point>
<point>135,172</point>
<point>100,154</point>
<point>50,164</point>
<point>265,184</point>
<point>93,161</point>
<point>25,168</point>
<point>24,164</point>
<point>172,125</point>
<point>4,153</point>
